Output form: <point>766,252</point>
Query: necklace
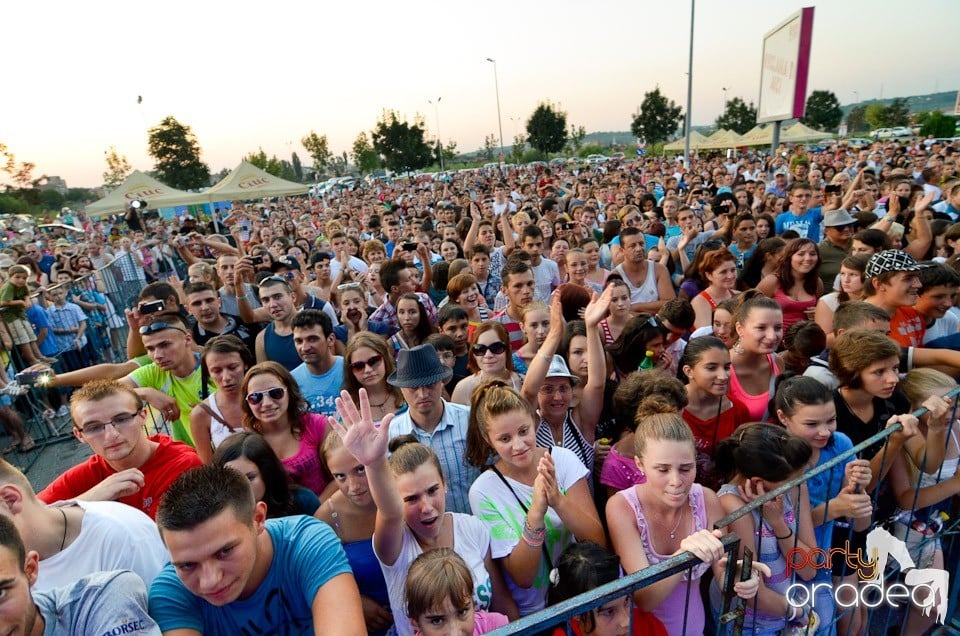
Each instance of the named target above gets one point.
<point>673,533</point>
<point>377,406</point>
<point>63,540</point>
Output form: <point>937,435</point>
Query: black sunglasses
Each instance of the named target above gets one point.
<point>276,394</point>
<point>372,362</point>
<point>480,350</point>
<point>154,327</point>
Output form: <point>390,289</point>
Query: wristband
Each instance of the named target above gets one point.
<point>789,534</point>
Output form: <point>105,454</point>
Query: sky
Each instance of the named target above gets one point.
<point>245,75</point>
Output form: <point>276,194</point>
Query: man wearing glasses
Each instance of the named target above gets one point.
<point>127,465</point>
<point>172,383</point>
<point>804,220</point>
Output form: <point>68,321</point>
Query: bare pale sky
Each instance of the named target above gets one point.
<point>245,74</point>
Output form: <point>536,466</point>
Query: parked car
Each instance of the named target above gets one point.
<point>594,159</point>
<point>890,133</point>
<point>857,142</point>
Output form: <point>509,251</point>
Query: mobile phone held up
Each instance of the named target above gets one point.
<point>151,307</point>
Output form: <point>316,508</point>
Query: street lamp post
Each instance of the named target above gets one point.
<point>724,89</point>
<point>436,112</point>
<point>686,142</point>
<point>496,85</point>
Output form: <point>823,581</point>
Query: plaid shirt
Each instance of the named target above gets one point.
<point>385,316</point>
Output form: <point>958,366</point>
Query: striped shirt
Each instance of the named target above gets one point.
<point>449,441</point>
<point>573,440</point>
<point>514,330</point>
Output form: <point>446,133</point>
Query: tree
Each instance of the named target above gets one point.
<point>547,128</point>
<point>823,111</point>
<point>857,120</point>
<point>657,118</point>
<point>939,125</point>
<point>177,153</point>
<point>318,149</point>
<point>260,160</point>
<point>519,145</point>
<point>738,116</point>
<point>297,167</point>
<point>898,112</point>
<point>489,147</point>
<point>365,158</point>
<point>117,168</point>
<point>401,143</point>
<point>339,165</point>
<point>450,151</point>
<point>876,115</point>
<point>577,134</point>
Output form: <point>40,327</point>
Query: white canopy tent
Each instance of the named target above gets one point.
<point>247,182</point>
<point>140,186</point>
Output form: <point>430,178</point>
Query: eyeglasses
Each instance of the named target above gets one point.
<point>119,423</point>
<point>373,362</point>
<point>480,350</point>
<point>157,326</point>
<point>559,390</point>
<point>349,286</point>
<point>276,394</point>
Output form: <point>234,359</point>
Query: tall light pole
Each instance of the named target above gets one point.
<point>686,142</point>
<point>436,112</point>
<point>496,85</point>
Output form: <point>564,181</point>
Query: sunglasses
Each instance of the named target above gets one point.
<point>480,350</point>
<point>154,327</point>
<point>276,278</point>
<point>349,286</point>
<point>275,394</point>
<point>372,362</point>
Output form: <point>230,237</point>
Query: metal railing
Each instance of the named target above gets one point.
<point>879,620</point>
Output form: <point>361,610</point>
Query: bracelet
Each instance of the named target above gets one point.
<point>533,536</point>
<point>789,534</point>
<point>533,543</point>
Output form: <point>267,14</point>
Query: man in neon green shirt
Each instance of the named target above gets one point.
<point>172,383</point>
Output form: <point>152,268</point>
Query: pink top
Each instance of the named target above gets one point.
<point>304,467</point>
<point>620,472</point>
<point>793,310</point>
<point>756,404</point>
<point>671,611</point>
<point>484,621</point>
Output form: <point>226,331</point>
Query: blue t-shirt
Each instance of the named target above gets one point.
<point>40,320</point>
<point>827,485</point>
<point>306,554</point>
<point>320,391</point>
<point>807,225</point>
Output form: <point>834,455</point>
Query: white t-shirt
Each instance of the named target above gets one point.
<point>947,326</point>
<point>546,277</point>
<point>354,264</point>
<point>471,540</point>
<point>113,536</point>
<point>497,507</point>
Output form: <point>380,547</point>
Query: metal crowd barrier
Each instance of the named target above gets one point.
<point>881,620</point>
<point>104,294</point>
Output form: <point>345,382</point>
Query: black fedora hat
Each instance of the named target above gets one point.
<point>419,366</point>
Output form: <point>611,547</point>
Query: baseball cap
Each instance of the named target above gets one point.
<point>285,262</point>
<point>779,172</point>
<point>892,261</point>
<point>64,243</point>
<point>838,218</point>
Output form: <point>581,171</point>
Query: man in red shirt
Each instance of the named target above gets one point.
<point>891,283</point>
<point>127,465</point>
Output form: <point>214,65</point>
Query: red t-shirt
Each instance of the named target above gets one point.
<point>164,466</point>
<point>644,624</point>
<point>710,431</point>
<point>907,327</point>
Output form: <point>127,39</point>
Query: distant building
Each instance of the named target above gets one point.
<point>55,183</point>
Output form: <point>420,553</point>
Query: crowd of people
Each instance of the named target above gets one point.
<point>436,404</point>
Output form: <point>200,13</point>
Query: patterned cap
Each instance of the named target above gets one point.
<point>891,261</point>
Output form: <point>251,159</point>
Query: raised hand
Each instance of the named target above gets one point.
<point>598,308</point>
<point>365,440</point>
<point>547,470</point>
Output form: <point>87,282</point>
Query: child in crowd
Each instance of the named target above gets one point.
<point>14,302</point>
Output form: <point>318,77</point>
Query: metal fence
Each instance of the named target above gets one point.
<point>880,619</point>
<point>78,324</point>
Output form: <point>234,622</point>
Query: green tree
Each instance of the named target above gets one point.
<point>118,168</point>
<point>319,150</point>
<point>823,111</point>
<point>401,143</point>
<point>857,120</point>
<point>939,125</point>
<point>286,171</point>
<point>591,149</point>
<point>177,154</point>
<point>297,167</point>
<point>339,165</point>
<point>738,116</point>
<point>657,118</point>
<point>519,146</point>
<point>876,115</point>
<point>577,135</point>
<point>51,199</point>
<point>260,160</point>
<point>898,112</point>
<point>450,151</point>
<point>489,147</point>
<point>365,158</point>
<point>547,128</point>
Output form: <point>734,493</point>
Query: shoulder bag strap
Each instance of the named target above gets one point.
<point>523,506</point>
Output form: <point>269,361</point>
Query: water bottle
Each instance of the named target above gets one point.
<point>936,522</point>
<point>648,362</point>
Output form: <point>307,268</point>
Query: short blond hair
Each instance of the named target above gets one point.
<point>100,390</point>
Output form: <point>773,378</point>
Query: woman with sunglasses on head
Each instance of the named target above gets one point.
<point>489,358</point>
<point>414,323</point>
<point>367,363</point>
<point>274,407</point>
<point>225,360</point>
